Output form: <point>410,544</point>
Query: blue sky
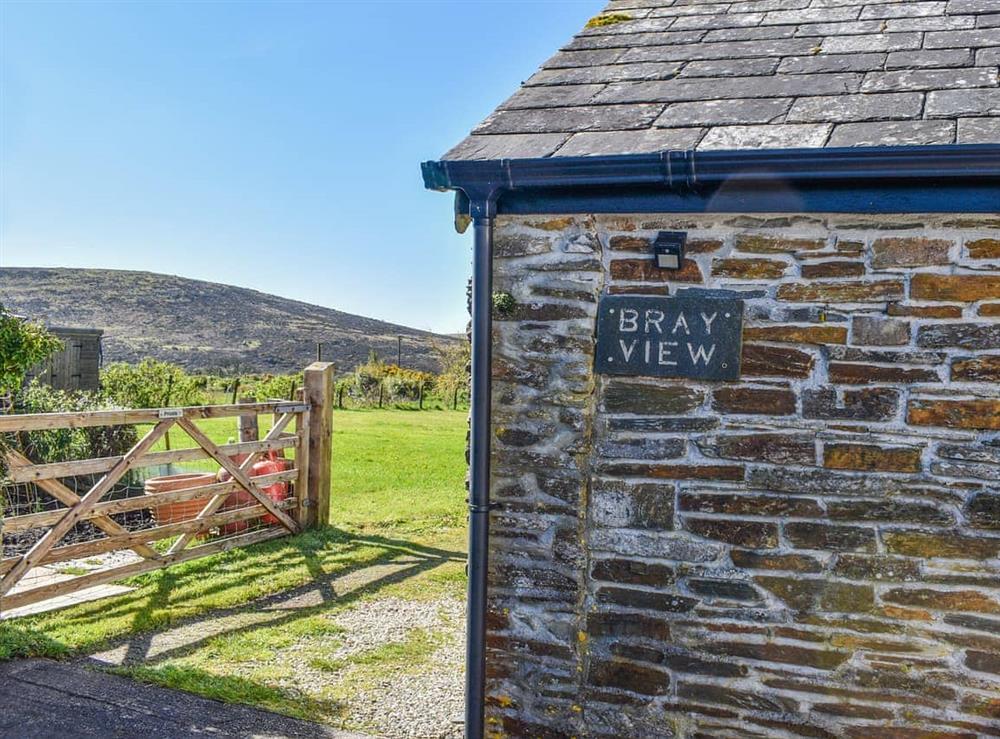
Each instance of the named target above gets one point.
<point>273,145</point>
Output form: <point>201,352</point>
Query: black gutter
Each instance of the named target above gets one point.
<point>949,178</point>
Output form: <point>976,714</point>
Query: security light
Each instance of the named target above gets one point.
<point>669,249</point>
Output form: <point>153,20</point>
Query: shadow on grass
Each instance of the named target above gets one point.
<point>230,689</point>
<point>291,578</point>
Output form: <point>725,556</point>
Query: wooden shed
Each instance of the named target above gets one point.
<point>77,366</point>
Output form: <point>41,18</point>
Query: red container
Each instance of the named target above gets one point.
<point>183,510</point>
<point>277,492</point>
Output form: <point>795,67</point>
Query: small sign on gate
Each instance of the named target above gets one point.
<point>698,338</point>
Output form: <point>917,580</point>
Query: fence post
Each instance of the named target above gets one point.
<point>318,380</point>
<point>246,425</point>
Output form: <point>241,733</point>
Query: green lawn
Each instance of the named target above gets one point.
<point>398,490</point>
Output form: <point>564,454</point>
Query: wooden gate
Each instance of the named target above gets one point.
<point>237,509</point>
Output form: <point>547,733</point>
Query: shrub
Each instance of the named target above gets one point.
<point>23,344</point>
<point>151,384</point>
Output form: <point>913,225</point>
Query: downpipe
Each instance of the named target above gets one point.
<point>479,473</point>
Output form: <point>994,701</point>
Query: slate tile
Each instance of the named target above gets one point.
<point>645,141</point>
<point>811,15</point>
<point>701,8</point>
<point>978,130</point>
<point>630,40</point>
<point>727,20</point>
<point>507,146</point>
<point>938,23</point>
<point>637,25</point>
<point>870,107</point>
<point>989,21</point>
<point>751,34</point>
<point>929,79</point>
<point>962,39</point>
<point>729,67</point>
<point>720,112</point>
<point>718,50</point>
<point>845,28</point>
<point>605,73</point>
<point>988,57</point>
<point>583,58</point>
<point>755,6</point>
<point>875,42</point>
<point>964,103</point>
<point>552,97</point>
<point>903,10</point>
<point>929,59</point>
<point>681,90</point>
<point>893,133</point>
<point>766,137</point>
<point>814,64</point>
<point>970,6</point>
<point>571,120</point>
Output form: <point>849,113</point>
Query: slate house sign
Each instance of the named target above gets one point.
<point>669,337</point>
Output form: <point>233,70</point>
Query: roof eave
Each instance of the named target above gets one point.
<point>951,178</point>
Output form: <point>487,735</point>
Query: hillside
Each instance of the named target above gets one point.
<point>205,325</point>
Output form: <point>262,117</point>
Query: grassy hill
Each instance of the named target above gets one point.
<point>205,325</point>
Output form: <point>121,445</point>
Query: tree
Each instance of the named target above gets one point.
<point>455,362</point>
<point>23,345</point>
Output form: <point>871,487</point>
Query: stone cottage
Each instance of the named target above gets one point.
<point>736,338</point>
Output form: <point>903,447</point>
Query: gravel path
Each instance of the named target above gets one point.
<point>417,700</point>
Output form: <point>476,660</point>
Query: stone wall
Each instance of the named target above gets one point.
<point>811,551</point>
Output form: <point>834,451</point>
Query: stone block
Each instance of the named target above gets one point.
<point>944,600</point>
<point>865,404</point>
<point>624,675</point>
<point>632,505</point>
<point>924,311</point>
<point>752,560</point>
<point>983,248</point>
<point>876,568</point>
<point>831,538</point>
<point>754,401</point>
<point>640,398</point>
<point>821,659</point>
<point>949,545</point>
<point>747,534</point>
<point>646,600</point>
<point>910,251</point>
<point>745,504</point>
<point>889,511</point>
<point>958,288</point>
<point>758,360</point>
<point>871,458</point>
<point>764,244</point>
<point>748,269</point>
<point>983,510</point>
<point>622,625</point>
<point>821,334</point>
<point>875,291</point>
<point>879,331</point>
<point>980,413</point>
<point>972,336</point>
<point>632,572</point>
<point>864,374</point>
<point>723,589</point>
<point>761,447</point>
<point>641,448</point>
<point>821,270</point>
<point>803,594</point>
<point>984,368</point>
<point>645,270</point>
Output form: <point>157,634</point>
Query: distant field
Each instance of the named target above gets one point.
<point>391,468</point>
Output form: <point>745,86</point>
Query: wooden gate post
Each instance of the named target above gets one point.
<point>319,394</point>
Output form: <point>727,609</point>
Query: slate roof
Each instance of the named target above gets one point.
<point>750,74</point>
